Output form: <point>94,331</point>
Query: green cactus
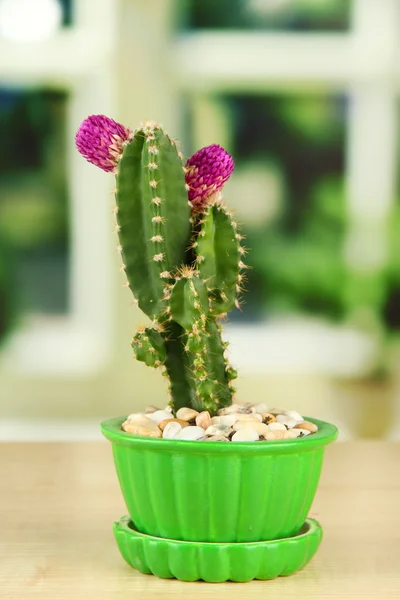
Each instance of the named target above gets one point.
<point>181,253</point>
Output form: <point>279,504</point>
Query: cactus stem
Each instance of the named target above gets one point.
<point>153,183</point>
<point>158,257</point>
<point>126,284</point>
<point>156,200</point>
<point>115,210</point>
<point>187,186</point>
<point>242,250</point>
<point>165,275</point>
<point>157,238</point>
<point>152,165</point>
<point>123,267</point>
<point>237,304</point>
<point>242,265</point>
<point>153,149</point>
<point>158,219</point>
<point>180,155</point>
<point>119,248</point>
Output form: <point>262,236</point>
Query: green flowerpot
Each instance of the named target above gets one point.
<point>216,491</point>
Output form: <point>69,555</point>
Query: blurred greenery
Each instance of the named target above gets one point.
<point>33,202</point>
<point>301,15</point>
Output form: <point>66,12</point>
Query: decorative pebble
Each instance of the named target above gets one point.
<point>203,419</point>
<point>247,434</point>
<point>260,428</point>
<point>288,421</point>
<point>219,430</point>
<point>237,422</point>
<point>307,425</point>
<point>187,414</point>
<point>236,409</point>
<point>171,430</point>
<point>216,438</point>
<point>268,418</point>
<point>272,436</point>
<point>137,417</point>
<point>277,411</point>
<point>294,415</point>
<point>164,423</point>
<point>147,430</point>
<point>253,418</point>
<point>159,415</point>
<point>276,426</point>
<point>190,433</point>
<point>225,420</point>
<point>303,432</point>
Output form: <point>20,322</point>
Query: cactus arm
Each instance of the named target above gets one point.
<point>218,257</point>
<point>135,229</point>
<point>189,300</point>
<point>179,367</point>
<point>149,347</point>
<point>152,215</point>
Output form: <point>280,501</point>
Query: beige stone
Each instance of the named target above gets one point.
<point>307,425</point>
<point>151,409</point>
<point>190,433</point>
<point>303,432</point>
<point>203,419</point>
<point>164,423</point>
<point>277,411</point>
<point>260,408</point>
<point>288,421</point>
<point>187,414</point>
<point>159,415</point>
<point>293,414</point>
<point>254,417</point>
<point>219,430</point>
<point>171,429</point>
<point>268,418</point>
<point>216,438</point>
<point>276,426</point>
<point>145,430</point>
<point>272,436</point>
<point>224,420</point>
<point>236,409</point>
<point>260,428</point>
<point>247,434</point>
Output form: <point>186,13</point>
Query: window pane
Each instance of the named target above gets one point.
<point>287,191</point>
<point>33,203</point>
<point>269,15</point>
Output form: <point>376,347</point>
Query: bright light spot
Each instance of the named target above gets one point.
<point>29,20</point>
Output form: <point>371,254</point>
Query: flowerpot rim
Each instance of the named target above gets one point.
<point>327,433</point>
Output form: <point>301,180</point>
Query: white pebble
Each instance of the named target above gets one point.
<point>286,421</point>
<point>302,432</point>
<point>137,417</point>
<point>236,409</point>
<point>276,426</point>
<point>186,414</point>
<point>260,408</point>
<point>224,420</point>
<point>293,414</point>
<point>168,409</point>
<point>191,433</point>
<point>291,434</point>
<point>159,415</point>
<point>171,430</point>
<point>253,418</point>
<point>247,434</point>
<point>218,430</point>
<point>260,428</point>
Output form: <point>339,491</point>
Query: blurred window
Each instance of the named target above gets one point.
<point>33,201</point>
<point>287,191</point>
<point>268,15</point>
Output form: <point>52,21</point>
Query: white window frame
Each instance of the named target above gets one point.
<point>362,63</point>
<point>78,342</point>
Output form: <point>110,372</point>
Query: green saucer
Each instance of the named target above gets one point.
<point>216,562</point>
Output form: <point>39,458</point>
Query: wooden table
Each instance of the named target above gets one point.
<point>58,502</point>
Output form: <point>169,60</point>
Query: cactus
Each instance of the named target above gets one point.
<point>181,252</point>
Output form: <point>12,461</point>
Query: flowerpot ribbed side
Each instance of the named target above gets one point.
<point>216,491</point>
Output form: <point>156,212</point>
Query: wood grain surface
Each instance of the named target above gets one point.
<point>58,502</point>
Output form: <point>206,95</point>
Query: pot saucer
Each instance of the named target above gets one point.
<point>217,562</point>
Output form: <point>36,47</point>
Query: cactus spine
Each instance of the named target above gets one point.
<point>182,265</point>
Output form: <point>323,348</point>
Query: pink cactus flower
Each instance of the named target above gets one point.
<point>206,173</point>
<point>100,140</point>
